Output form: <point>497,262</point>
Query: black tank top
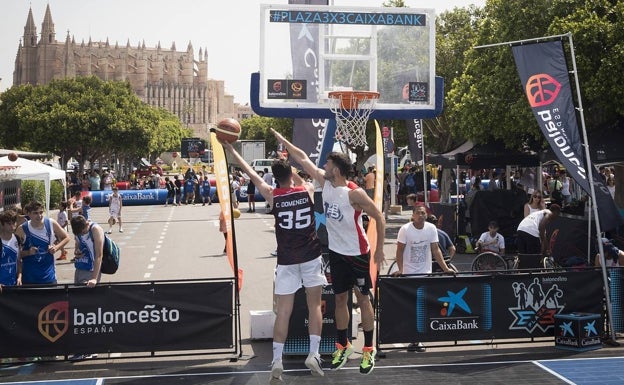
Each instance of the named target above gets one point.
<point>295,227</point>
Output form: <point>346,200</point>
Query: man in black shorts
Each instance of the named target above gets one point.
<point>349,250</point>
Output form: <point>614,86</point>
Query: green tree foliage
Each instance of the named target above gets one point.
<point>88,119</point>
<point>487,101</point>
<point>34,190</point>
<point>257,128</point>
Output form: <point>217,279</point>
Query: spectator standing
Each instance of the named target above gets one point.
<point>10,249</point>
<point>86,207</point>
<point>108,181</point>
<point>88,252</point>
<point>94,181</point>
<point>299,257</point>
<point>369,182</point>
<point>189,190</point>
<point>115,204</point>
<point>268,179</point>
<point>63,221</point>
<point>204,187</point>
<point>178,190</point>
<point>493,184</point>
<point>170,192</point>
<point>251,196</point>
<point>611,186</point>
<point>532,230</point>
<point>36,258</point>
<point>349,249</point>
<point>536,203</point>
<point>223,229</point>
<point>234,187</point>
<point>417,246</point>
<point>565,187</point>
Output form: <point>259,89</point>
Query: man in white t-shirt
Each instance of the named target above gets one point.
<point>417,242</point>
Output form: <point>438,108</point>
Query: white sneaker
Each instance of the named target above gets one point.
<point>276,373</point>
<point>314,363</point>
<point>110,231</point>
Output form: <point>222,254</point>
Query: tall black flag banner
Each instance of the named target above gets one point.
<point>543,72</point>
<point>415,136</point>
<point>307,133</point>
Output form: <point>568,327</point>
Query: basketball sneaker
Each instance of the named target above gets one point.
<point>341,355</point>
<point>276,372</point>
<point>368,360</point>
<point>313,362</point>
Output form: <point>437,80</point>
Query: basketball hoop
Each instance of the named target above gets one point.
<point>8,173</point>
<point>352,109</point>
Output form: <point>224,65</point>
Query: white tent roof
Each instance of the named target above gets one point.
<point>30,170</point>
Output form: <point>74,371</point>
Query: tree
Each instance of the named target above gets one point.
<point>257,128</point>
<point>487,101</point>
<point>88,119</point>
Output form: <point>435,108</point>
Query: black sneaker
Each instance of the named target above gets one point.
<point>416,347</point>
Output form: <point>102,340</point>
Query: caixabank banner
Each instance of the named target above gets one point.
<point>444,308</point>
<point>116,318</point>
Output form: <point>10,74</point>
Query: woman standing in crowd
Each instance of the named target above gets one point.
<point>535,203</point>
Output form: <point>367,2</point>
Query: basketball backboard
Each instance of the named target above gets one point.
<point>307,51</point>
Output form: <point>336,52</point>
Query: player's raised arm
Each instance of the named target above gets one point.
<point>300,157</point>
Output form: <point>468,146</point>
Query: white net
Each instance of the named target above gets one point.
<point>352,109</point>
<point>8,172</point>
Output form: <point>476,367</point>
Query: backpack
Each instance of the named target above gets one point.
<point>110,255</point>
<point>409,180</point>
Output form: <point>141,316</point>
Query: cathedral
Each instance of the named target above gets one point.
<point>167,78</point>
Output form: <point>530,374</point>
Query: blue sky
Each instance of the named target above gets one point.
<point>228,29</point>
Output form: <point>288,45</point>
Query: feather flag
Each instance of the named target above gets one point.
<point>223,192</point>
<point>371,232</point>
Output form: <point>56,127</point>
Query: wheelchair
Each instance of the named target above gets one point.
<point>491,261</point>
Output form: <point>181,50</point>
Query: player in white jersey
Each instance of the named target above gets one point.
<point>349,250</point>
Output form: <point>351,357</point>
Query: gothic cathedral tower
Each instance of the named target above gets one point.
<point>165,78</point>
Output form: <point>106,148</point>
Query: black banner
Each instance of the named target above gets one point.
<point>482,306</point>
<point>192,147</point>
<point>117,318</point>
<point>307,133</point>
<point>415,135</point>
<point>544,75</point>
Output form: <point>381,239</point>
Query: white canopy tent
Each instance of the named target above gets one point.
<point>30,170</point>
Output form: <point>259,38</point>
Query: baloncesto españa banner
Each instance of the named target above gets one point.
<point>544,75</point>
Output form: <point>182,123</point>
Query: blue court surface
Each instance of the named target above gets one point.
<point>403,368</point>
<point>589,371</point>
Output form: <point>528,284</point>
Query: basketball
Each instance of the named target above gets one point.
<point>12,156</point>
<point>236,213</point>
<point>228,130</point>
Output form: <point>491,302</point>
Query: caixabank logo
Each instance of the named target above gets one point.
<point>53,320</point>
<point>535,308</point>
<point>454,309</point>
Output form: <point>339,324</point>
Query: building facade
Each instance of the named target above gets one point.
<point>167,78</point>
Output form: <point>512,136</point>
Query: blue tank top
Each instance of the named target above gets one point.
<point>8,262</point>
<point>38,268</point>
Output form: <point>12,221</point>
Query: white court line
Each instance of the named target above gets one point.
<point>559,376</point>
